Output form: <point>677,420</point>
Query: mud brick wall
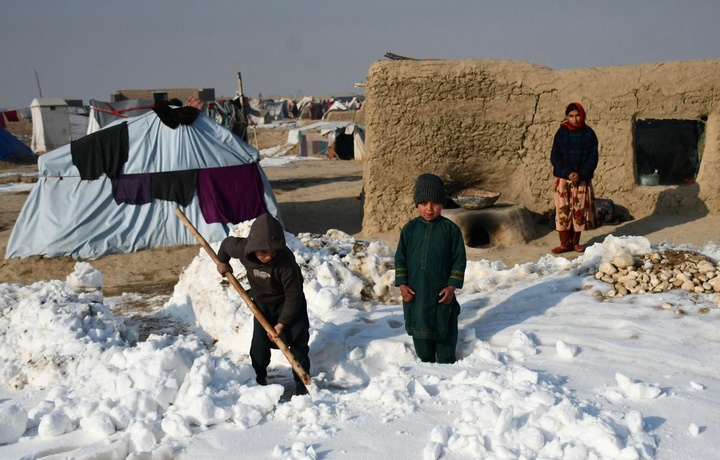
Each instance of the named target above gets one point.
<point>490,123</point>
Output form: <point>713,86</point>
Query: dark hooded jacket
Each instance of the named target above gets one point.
<point>277,286</point>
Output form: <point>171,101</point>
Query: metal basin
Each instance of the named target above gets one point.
<point>475,198</point>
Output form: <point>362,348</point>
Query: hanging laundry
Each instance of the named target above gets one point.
<point>177,186</point>
<point>132,189</point>
<point>231,194</point>
<point>102,152</point>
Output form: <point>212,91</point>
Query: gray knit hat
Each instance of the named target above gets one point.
<point>429,187</point>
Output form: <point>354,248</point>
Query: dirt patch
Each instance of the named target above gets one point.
<point>313,196</point>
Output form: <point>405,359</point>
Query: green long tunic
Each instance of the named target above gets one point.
<point>430,256</point>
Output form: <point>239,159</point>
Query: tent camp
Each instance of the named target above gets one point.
<point>12,147</point>
<point>201,168</point>
<point>51,124</point>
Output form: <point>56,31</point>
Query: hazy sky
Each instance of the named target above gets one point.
<point>83,49</point>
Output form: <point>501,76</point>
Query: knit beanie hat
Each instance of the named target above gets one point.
<point>429,187</point>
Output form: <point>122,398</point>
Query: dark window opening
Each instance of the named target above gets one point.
<point>668,152</point>
<point>160,96</point>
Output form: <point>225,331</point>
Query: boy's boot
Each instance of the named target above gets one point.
<point>300,388</point>
<point>566,244</point>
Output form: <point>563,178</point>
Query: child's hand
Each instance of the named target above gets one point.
<point>447,295</point>
<point>406,293</point>
<point>279,328</point>
<point>223,268</point>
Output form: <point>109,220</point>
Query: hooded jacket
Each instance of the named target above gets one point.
<point>277,286</point>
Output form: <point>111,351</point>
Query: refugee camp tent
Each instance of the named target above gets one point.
<point>277,110</point>
<point>309,108</point>
<point>51,124</point>
<point>103,113</point>
<point>317,138</point>
<point>340,106</point>
<point>79,121</point>
<point>12,147</point>
<point>257,114</point>
<point>68,215</point>
<point>349,142</point>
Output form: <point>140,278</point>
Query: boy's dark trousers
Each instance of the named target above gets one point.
<point>296,338</point>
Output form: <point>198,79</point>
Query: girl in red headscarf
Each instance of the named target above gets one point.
<point>574,158</point>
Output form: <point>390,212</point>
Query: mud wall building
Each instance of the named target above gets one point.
<point>490,123</point>
<point>204,94</point>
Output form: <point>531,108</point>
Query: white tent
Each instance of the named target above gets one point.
<point>51,124</point>
<point>350,134</point>
<point>66,215</point>
<point>78,126</point>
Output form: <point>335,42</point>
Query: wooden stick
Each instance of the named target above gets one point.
<point>243,102</point>
<point>257,146</point>
<point>253,308</point>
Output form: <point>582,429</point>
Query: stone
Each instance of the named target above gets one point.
<point>624,261</point>
<point>705,266</point>
<point>607,268</point>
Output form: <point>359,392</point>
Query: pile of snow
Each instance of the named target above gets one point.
<point>547,368</point>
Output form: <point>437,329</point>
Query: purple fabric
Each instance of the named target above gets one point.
<point>231,194</point>
<point>131,189</point>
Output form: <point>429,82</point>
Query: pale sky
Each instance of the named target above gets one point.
<point>83,49</point>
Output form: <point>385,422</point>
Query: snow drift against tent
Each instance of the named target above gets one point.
<point>65,215</point>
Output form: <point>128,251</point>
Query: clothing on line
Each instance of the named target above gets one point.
<point>231,194</point>
<point>102,152</point>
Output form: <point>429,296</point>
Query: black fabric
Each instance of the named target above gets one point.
<point>297,338</point>
<point>102,152</point>
<point>132,189</point>
<point>177,186</point>
<point>175,117</point>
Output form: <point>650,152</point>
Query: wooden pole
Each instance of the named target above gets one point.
<point>253,308</point>
<point>257,145</point>
<point>243,102</point>
<point>37,79</point>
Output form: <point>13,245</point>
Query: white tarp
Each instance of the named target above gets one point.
<point>78,126</point>
<point>51,124</point>
<point>330,129</point>
<point>64,215</point>
<point>320,126</point>
<point>103,113</point>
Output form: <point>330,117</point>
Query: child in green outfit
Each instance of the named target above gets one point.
<point>429,265</point>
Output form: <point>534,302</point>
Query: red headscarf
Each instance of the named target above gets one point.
<point>581,111</point>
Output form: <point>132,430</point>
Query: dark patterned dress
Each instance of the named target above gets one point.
<point>574,202</point>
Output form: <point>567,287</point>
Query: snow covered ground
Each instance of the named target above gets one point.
<point>548,368</point>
